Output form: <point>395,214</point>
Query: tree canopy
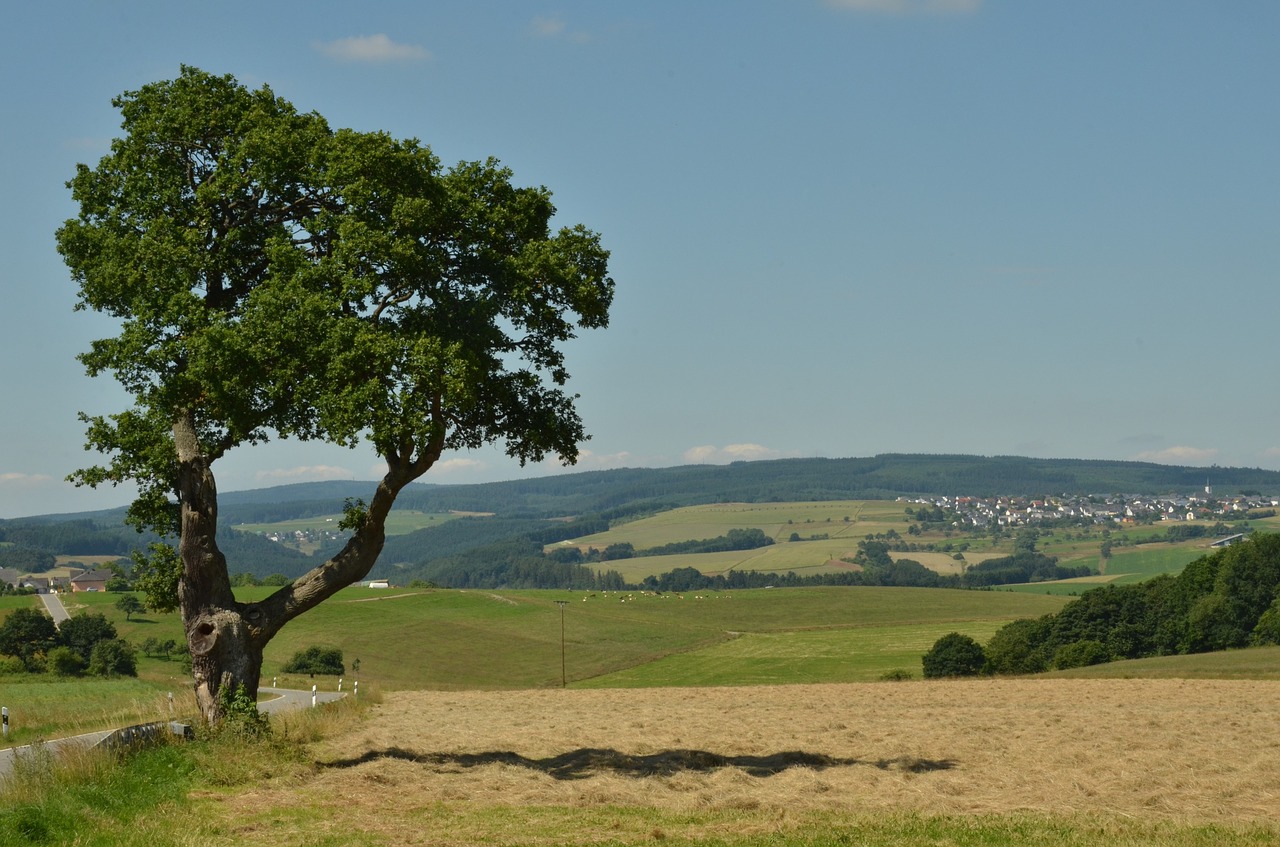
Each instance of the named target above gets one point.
<point>274,277</point>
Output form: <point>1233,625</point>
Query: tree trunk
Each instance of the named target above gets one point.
<point>227,637</point>
<point>226,653</point>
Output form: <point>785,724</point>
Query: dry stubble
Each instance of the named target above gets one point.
<point>1175,751</point>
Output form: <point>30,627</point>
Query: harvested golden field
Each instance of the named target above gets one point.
<point>1164,753</point>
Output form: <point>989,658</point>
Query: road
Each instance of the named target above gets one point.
<point>53,605</point>
<point>288,698</point>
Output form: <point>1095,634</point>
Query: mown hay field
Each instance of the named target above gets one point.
<point>1044,761</point>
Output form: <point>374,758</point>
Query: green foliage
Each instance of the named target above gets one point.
<point>64,661</point>
<point>1079,654</point>
<point>113,657</point>
<point>241,717</point>
<point>954,654</point>
<point>26,559</point>
<point>317,660</point>
<point>155,574</point>
<point>1017,648</point>
<point>1268,629</point>
<point>82,633</point>
<point>352,289</point>
<point>354,513</point>
<point>1220,601</point>
<point>130,605</point>
<point>29,635</point>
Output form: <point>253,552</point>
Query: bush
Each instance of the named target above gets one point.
<point>65,662</point>
<point>113,657</point>
<point>954,654</point>
<point>317,660</point>
<point>1079,654</point>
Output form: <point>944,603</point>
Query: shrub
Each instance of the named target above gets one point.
<point>113,657</point>
<point>314,660</point>
<point>1079,654</point>
<point>897,675</point>
<point>954,654</point>
<point>65,662</point>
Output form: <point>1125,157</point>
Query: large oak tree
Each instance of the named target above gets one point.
<point>273,277</point>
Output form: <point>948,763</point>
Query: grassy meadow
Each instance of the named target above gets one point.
<point>511,640</point>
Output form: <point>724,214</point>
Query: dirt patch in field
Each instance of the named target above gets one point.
<point>1186,751</point>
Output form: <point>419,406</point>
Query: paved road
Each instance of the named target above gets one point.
<point>288,698</point>
<point>53,605</point>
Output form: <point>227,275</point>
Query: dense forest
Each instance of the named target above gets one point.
<point>1227,599</point>
<point>505,549</point>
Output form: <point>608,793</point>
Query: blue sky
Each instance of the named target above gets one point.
<point>838,227</point>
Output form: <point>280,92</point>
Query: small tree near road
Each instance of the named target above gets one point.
<point>317,660</point>
<point>954,654</point>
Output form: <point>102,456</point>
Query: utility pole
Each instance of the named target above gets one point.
<point>563,678</point>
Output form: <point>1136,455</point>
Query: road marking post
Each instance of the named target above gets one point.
<point>313,696</point>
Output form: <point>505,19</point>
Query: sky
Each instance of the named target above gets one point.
<point>837,227</point>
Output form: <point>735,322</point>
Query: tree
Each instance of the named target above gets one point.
<point>954,654</point>
<point>314,660</point>
<point>130,605</point>
<point>275,278</point>
<point>28,634</point>
<point>83,631</point>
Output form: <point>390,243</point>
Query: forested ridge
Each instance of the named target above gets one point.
<point>506,548</point>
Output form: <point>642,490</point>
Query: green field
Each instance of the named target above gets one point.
<point>1253,663</point>
<point>845,523</point>
<point>847,519</point>
<point>448,640</point>
<point>314,529</point>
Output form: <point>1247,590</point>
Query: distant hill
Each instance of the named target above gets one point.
<point>877,477</point>
<point>606,495</point>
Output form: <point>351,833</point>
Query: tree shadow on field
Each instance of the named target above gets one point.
<point>580,764</point>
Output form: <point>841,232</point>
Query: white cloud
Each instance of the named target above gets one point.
<point>458,466</point>
<point>371,48</point>
<point>556,28</point>
<point>1181,455</point>
<point>709,454</point>
<point>909,7</point>
<point>305,473</point>
<point>24,478</point>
